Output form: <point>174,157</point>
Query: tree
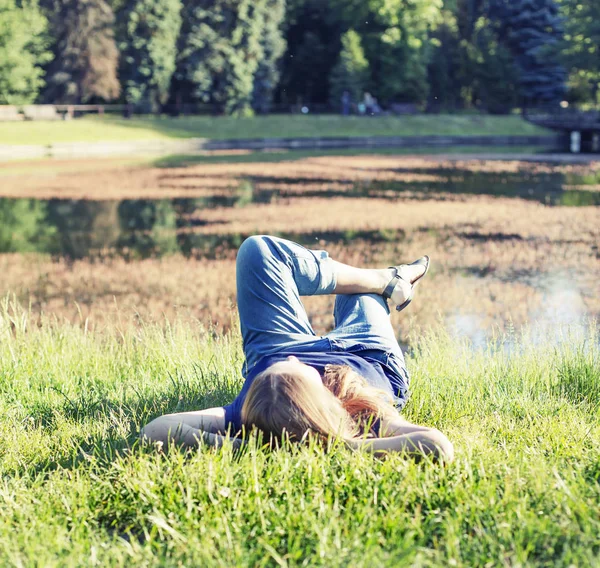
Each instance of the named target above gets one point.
<point>532,31</point>
<point>85,54</point>
<point>454,71</point>
<point>396,37</point>
<point>273,46</point>
<point>397,40</point>
<point>581,49</point>
<point>148,50</point>
<point>313,31</point>
<point>351,71</point>
<point>445,77</point>
<point>22,51</point>
<point>220,51</point>
<point>496,75</point>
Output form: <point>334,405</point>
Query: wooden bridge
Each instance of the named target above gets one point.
<point>580,129</point>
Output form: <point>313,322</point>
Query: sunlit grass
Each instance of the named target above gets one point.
<point>102,129</point>
<point>78,490</point>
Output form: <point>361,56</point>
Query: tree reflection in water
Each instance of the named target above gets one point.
<point>136,228</point>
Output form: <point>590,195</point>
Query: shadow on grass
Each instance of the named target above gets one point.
<point>182,127</point>
<point>222,246</point>
<point>494,237</point>
<point>325,125</point>
<point>185,160</point>
<point>546,188</point>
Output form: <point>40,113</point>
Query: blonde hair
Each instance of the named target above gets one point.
<point>286,404</point>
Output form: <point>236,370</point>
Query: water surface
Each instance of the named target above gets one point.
<point>139,228</point>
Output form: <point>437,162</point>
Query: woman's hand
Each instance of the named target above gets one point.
<point>416,444</point>
<point>190,429</point>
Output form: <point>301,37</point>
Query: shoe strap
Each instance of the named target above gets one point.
<point>389,289</point>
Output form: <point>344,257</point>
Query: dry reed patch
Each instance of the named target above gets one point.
<point>136,182</point>
<point>489,283</point>
<point>103,291</point>
<point>478,215</point>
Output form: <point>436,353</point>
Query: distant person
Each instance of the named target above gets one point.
<point>348,384</point>
<point>346,101</point>
<point>369,102</point>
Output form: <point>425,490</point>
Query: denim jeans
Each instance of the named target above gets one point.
<point>272,274</point>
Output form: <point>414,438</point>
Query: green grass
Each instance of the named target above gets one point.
<point>76,488</point>
<point>96,129</point>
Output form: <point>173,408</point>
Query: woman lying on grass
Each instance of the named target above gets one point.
<point>349,383</point>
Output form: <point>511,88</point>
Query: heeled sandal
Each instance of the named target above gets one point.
<point>389,289</point>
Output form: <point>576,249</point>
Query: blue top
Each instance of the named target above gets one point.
<point>376,373</point>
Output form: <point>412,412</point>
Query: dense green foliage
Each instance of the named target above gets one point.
<point>273,46</point>
<point>220,51</point>
<point>398,47</point>
<point>581,52</point>
<point>532,31</point>
<point>394,35</point>
<point>22,51</point>
<point>85,54</point>
<point>78,490</point>
<point>496,75</point>
<point>446,74</point>
<point>350,73</point>
<point>148,51</point>
<point>235,57</point>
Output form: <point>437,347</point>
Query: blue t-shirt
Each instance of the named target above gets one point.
<point>376,374</point>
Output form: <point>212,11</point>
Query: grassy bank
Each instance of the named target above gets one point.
<point>77,490</point>
<point>47,166</point>
<point>96,129</point>
<point>183,160</point>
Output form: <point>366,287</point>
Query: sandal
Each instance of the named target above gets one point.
<point>389,290</point>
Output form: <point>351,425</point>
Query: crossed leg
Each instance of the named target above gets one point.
<point>272,274</point>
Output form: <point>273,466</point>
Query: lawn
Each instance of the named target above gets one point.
<point>101,129</point>
<point>77,489</point>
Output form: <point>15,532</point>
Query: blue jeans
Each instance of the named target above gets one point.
<point>272,274</point>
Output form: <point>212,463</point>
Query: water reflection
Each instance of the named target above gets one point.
<point>546,188</point>
<point>561,318</point>
<point>139,228</point>
<point>81,228</point>
<point>24,226</point>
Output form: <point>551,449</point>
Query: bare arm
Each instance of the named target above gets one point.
<point>396,426</point>
<point>399,435</point>
<point>189,429</point>
<point>429,442</point>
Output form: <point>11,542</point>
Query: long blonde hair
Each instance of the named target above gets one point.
<point>287,404</point>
